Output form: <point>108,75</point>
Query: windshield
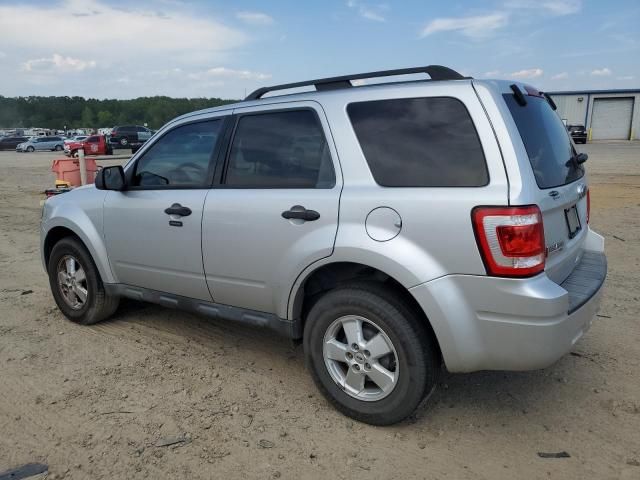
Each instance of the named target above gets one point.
<point>546,140</point>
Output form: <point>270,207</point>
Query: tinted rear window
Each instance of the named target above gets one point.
<point>546,140</point>
<point>419,142</point>
<point>280,150</point>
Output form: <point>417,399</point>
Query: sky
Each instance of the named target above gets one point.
<point>181,48</point>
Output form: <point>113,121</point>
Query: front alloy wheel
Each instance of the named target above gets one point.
<point>76,284</point>
<point>72,282</point>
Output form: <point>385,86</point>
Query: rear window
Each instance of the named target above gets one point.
<point>419,142</point>
<point>546,140</point>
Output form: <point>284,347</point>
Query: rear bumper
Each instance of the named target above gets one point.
<point>489,323</point>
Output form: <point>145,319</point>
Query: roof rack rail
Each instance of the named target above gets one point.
<point>436,72</point>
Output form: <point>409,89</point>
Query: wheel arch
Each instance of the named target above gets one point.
<point>331,275</point>
<point>88,236</point>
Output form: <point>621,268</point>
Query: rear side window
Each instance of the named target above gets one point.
<point>546,140</point>
<point>180,158</point>
<point>280,150</point>
<point>419,142</point>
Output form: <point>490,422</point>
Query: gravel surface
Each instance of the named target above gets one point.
<point>156,393</point>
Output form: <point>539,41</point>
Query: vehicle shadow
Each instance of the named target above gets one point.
<point>492,396</point>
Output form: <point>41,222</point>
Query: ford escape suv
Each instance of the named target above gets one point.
<point>392,228</point>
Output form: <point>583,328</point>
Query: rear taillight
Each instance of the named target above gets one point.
<point>510,239</point>
<point>588,205</point>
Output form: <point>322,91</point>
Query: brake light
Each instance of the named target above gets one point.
<point>588,205</point>
<point>510,240</point>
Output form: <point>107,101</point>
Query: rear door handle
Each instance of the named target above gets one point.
<point>177,209</point>
<point>300,213</point>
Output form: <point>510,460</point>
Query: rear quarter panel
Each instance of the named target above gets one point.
<point>437,237</point>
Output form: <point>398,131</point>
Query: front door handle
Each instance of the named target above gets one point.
<point>300,213</point>
<point>177,209</point>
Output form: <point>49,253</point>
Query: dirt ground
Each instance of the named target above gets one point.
<point>96,402</point>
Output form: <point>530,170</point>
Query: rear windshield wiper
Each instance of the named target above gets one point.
<point>577,159</point>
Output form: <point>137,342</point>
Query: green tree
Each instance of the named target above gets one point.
<point>87,117</point>
<point>105,118</point>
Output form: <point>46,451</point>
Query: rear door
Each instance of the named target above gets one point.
<point>144,134</point>
<point>276,209</point>
<point>92,145</point>
<point>560,180</point>
<point>42,143</point>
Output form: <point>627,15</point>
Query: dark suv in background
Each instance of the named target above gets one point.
<point>578,133</point>
<point>10,143</point>
<point>130,135</point>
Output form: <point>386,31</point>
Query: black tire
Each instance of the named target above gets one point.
<point>99,305</point>
<point>418,357</point>
<point>58,148</point>
<point>30,149</point>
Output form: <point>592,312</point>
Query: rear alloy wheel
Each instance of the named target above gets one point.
<point>58,148</point>
<point>369,354</point>
<point>360,356</point>
<point>76,284</point>
<point>30,149</point>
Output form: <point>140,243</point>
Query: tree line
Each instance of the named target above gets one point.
<point>79,112</point>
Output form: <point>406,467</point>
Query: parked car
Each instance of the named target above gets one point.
<point>41,143</point>
<point>391,228</point>
<point>578,133</point>
<point>128,135</point>
<point>10,143</point>
<point>91,145</point>
<point>76,138</point>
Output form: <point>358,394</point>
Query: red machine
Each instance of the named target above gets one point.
<point>92,145</point>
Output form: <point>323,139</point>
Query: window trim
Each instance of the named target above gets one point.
<point>221,175</point>
<point>475,128</point>
<point>213,158</point>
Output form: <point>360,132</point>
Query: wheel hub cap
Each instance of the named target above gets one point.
<point>72,282</point>
<point>360,358</point>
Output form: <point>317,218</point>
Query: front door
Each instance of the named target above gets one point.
<point>153,229</point>
<point>276,208</point>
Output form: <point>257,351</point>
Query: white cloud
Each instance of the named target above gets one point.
<point>492,73</point>
<point>553,7</point>
<point>474,27</point>
<point>146,32</point>
<point>373,13</point>
<point>57,63</point>
<point>255,18</point>
<point>626,77</point>
<point>93,48</point>
<point>229,73</point>
<point>560,76</point>
<point>529,73</point>
<point>601,72</point>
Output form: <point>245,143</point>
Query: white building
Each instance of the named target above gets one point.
<point>607,114</point>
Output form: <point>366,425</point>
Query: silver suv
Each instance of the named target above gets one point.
<point>391,227</point>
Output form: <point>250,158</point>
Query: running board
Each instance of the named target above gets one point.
<point>281,326</point>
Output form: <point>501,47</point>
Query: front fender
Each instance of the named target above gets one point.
<point>86,223</point>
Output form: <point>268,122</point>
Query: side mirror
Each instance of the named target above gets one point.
<point>110,178</point>
<point>581,158</point>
